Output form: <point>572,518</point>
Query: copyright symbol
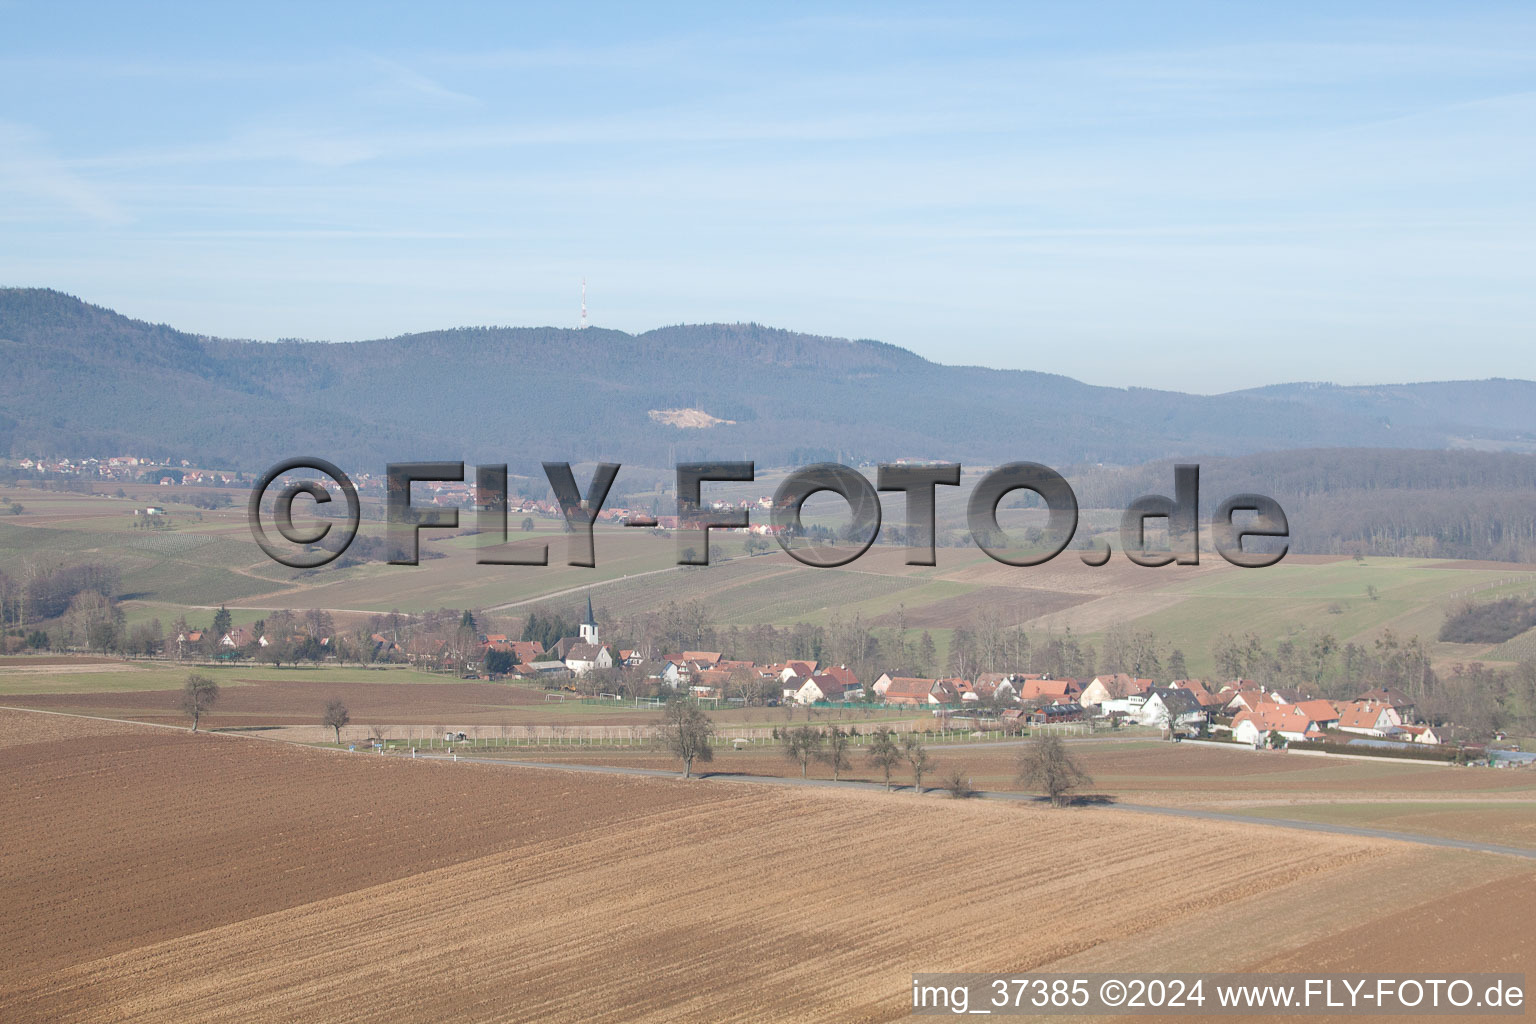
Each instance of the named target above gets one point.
<point>1112,992</point>
<point>282,513</point>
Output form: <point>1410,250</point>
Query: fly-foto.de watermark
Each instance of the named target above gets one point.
<point>316,545</point>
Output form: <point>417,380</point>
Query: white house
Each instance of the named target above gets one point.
<point>584,657</point>
<point>822,687</point>
<point>1172,708</point>
<point>673,674</point>
<point>1131,705</point>
<point>1293,724</point>
<point>1115,687</point>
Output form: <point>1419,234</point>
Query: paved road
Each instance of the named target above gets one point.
<point>1168,812</point>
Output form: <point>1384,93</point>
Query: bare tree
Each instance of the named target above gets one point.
<point>917,757</point>
<point>336,716</point>
<point>198,697</point>
<point>1045,764</point>
<point>803,745</point>
<point>747,684</point>
<point>885,753</point>
<point>687,731</point>
<point>835,756</point>
<point>958,783</point>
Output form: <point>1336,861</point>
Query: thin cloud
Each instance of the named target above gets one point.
<point>32,173</point>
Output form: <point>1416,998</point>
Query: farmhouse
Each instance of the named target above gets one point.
<point>1112,687</point>
<point>997,687</point>
<point>1400,707</point>
<point>1173,708</point>
<point>793,669</point>
<point>1320,711</point>
<point>582,658</point>
<point>844,675</point>
<point>1292,723</point>
<point>1367,719</point>
<point>1417,733</point>
<point>819,688</point>
<point>1039,687</point>
<point>1206,698</point>
<point>912,690</point>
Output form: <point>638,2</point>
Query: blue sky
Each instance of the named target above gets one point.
<point>1200,197</point>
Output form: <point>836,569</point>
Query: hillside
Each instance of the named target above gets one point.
<point>83,379</point>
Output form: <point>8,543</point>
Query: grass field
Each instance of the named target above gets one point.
<point>152,875</point>
<point>208,559</point>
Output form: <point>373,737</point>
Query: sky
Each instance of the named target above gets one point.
<point>1194,197</point>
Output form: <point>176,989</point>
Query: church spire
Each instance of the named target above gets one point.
<point>589,627</point>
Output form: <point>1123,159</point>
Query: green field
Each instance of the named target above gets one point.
<point>207,558</point>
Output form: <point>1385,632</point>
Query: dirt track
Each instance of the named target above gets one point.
<point>154,875</point>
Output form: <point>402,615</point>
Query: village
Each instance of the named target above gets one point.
<point>1381,721</point>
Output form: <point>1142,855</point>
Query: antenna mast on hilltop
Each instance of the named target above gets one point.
<point>583,303</point>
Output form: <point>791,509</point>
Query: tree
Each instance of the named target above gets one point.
<point>835,756</point>
<point>1177,669</point>
<point>927,654</point>
<point>198,697</point>
<point>802,745</point>
<point>958,783</point>
<point>747,684</point>
<point>917,757</point>
<point>499,663</point>
<point>1045,764</point>
<point>884,753</point>
<point>278,650</point>
<point>221,623</point>
<point>336,716</point>
<point>687,731</point>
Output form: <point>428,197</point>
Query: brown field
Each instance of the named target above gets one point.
<point>251,698</point>
<point>253,701</point>
<point>1463,803</point>
<point>155,875</point>
<point>24,729</point>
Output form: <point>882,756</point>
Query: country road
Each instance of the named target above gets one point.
<point>1173,812</point>
<point>773,780</point>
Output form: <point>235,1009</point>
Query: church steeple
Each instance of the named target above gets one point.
<point>589,627</point>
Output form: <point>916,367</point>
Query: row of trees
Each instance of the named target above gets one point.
<point>1044,764</point>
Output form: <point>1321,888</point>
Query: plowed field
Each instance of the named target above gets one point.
<point>155,875</point>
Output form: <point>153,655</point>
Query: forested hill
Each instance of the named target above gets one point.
<point>79,379</point>
<point>1440,504</point>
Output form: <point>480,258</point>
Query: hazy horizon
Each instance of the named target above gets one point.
<point>1378,382</point>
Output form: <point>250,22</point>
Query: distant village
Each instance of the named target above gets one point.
<point>1242,711</point>
<point>1238,710</point>
<point>177,473</point>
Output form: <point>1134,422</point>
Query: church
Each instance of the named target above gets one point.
<point>581,654</point>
